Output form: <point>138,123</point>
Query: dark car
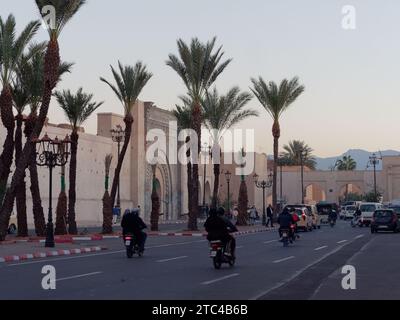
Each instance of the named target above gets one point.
<point>385,220</point>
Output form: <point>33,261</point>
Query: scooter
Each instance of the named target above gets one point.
<point>220,254</point>
<point>132,247</point>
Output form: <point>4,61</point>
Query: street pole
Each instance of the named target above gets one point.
<point>229,197</point>
<point>374,161</point>
<point>50,226</point>
<point>264,213</point>
<point>281,187</point>
<point>302,178</point>
<point>119,188</point>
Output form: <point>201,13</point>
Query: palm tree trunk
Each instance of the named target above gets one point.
<point>38,214</point>
<point>128,131</point>
<point>107,214</point>
<point>155,207</point>
<point>72,227</point>
<point>217,173</point>
<point>22,218</point>
<point>7,118</point>
<point>243,203</point>
<point>196,126</point>
<point>189,180</point>
<point>51,65</point>
<point>276,131</point>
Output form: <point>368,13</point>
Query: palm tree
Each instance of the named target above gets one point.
<point>64,12</point>
<point>221,113</point>
<point>130,82</point>
<point>107,208</point>
<point>11,49</point>
<point>199,66</point>
<point>276,100</point>
<point>77,108</point>
<point>183,114</point>
<point>347,163</point>
<point>21,100</point>
<point>62,207</point>
<point>31,74</point>
<point>298,153</point>
<point>243,201</point>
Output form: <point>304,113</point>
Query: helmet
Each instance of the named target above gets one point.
<point>135,211</point>
<point>221,211</point>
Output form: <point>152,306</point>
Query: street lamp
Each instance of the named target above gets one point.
<point>374,161</point>
<point>207,152</point>
<point>264,185</point>
<point>118,136</point>
<point>303,154</point>
<point>228,177</point>
<point>51,153</point>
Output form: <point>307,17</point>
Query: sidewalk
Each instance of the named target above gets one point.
<point>28,251</point>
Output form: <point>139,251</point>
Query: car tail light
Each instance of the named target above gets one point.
<point>215,246</point>
<point>128,238</point>
<point>304,216</point>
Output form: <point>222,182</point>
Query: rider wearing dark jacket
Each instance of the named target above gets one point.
<point>132,224</point>
<point>219,228</point>
<point>285,221</point>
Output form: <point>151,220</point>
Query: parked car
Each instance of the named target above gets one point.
<point>315,216</point>
<point>13,225</point>
<point>367,212</point>
<point>349,212</point>
<point>396,209</point>
<point>385,220</point>
<point>306,219</point>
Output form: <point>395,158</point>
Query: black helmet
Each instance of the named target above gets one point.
<point>221,211</point>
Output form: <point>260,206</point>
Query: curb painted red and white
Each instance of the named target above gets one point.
<point>56,253</point>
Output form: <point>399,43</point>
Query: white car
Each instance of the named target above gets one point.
<point>349,212</point>
<point>367,212</point>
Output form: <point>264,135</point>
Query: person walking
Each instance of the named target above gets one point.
<point>253,215</point>
<point>270,216</point>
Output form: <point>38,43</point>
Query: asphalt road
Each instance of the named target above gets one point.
<point>179,268</point>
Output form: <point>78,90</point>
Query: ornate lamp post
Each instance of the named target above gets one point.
<point>51,153</point>
<point>228,177</point>
<point>374,161</point>
<point>264,185</point>
<point>118,136</point>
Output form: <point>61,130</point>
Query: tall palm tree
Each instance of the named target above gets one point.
<point>11,49</point>
<point>347,163</point>
<point>199,66</point>
<point>298,152</point>
<point>64,12</point>
<point>183,114</point>
<point>21,100</point>
<point>221,113</point>
<point>31,73</point>
<point>276,100</point>
<point>130,82</point>
<point>77,108</point>
<point>107,208</point>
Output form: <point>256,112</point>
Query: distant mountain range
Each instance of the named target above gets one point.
<point>360,156</point>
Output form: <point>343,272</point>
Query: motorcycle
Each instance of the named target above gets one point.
<point>132,247</point>
<point>220,254</point>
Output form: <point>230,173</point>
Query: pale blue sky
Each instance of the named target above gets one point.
<point>352,77</point>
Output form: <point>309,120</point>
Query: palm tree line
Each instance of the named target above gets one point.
<point>30,73</point>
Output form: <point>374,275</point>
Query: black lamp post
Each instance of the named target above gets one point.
<point>374,161</point>
<point>51,153</point>
<point>264,185</point>
<point>118,136</point>
<point>228,177</point>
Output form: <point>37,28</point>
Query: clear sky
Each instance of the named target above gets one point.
<point>351,76</point>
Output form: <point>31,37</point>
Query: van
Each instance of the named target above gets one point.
<point>367,212</point>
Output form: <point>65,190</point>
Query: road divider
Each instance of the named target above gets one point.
<point>47,254</point>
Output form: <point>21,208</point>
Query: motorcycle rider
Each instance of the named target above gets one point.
<point>333,216</point>
<point>133,224</point>
<point>219,228</point>
<point>285,221</point>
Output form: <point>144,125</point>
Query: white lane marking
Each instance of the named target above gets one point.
<point>91,255</point>
<point>320,248</point>
<point>285,259</point>
<point>240,247</point>
<point>220,279</point>
<point>296,274</point>
<point>172,259</point>
<point>343,241</point>
<point>79,276</point>
<point>272,241</point>
<point>360,236</point>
